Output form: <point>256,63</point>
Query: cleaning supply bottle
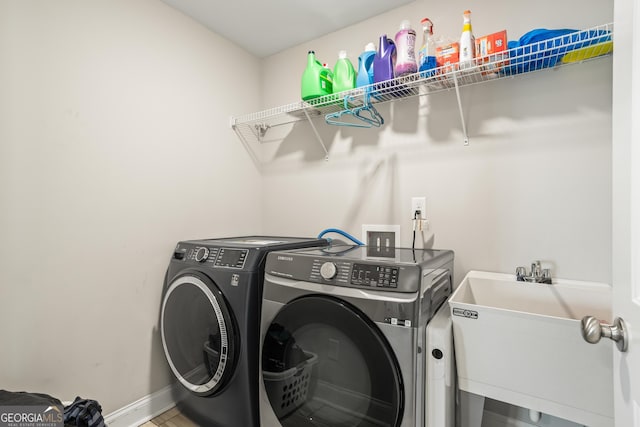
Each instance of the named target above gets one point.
<point>427,53</point>
<point>315,79</point>
<point>365,66</point>
<point>406,48</point>
<point>344,75</point>
<point>385,60</point>
<point>467,42</point>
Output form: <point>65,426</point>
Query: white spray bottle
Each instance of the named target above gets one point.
<point>467,42</point>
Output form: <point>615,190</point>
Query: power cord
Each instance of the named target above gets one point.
<point>416,215</point>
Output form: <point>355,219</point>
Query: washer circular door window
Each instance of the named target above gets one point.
<point>325,363</point>
<point>198,334</point>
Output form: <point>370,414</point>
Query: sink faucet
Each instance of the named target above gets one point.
<point>537,275</point>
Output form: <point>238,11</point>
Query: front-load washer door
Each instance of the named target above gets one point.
<point>198,334</point>
<point>324,363</point>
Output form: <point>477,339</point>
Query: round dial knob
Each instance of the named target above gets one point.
<point>202,254</point>
<point>328,270</point>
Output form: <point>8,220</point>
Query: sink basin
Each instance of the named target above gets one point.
<point>521,343</point>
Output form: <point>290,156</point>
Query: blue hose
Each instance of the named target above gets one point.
<point>342,233</point>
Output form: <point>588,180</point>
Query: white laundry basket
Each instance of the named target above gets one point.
<point>287,390</point>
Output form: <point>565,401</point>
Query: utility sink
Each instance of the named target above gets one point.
<point>521,343</point>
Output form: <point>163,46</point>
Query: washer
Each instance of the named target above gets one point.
<point>210,324</point>
<point>344,335</point>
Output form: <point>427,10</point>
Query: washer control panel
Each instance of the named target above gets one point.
<point>215,257</point>
<point>233,258</point>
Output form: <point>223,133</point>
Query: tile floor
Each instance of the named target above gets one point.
<point>171,418</point>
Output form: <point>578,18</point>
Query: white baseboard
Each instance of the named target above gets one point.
<point>498,420</point>
<point>495,419</point>
<point>142,410</point>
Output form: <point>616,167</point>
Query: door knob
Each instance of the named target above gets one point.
<point>593,330</point>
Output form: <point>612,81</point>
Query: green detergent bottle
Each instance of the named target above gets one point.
<point>316,79</point>
<point>344,75</point>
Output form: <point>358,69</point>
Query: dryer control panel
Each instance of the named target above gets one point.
<point>374,275</point>
<point>341,272</point>
<point>352,266</point>
<point>358,274</point>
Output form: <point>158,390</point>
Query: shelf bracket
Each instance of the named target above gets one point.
<point>261,129</point>
<point>247,146</point>
<point>464,126</point>
<point>326,153</point>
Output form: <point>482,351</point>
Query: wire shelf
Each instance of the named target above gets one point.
<point>574,47</point>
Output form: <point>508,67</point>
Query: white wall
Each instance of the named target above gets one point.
<point>114,145</point>
<point>535,182</point>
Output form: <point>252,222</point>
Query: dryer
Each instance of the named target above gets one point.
<point>344,335</point>
<point>210,324</point>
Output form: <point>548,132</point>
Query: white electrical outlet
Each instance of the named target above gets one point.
<point>419,203</point>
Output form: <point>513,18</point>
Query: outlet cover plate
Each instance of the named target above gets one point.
<point>419,203</point>
<point>381,240</point>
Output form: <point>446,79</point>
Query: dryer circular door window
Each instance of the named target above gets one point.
<point>198,334</point>
<point>325,363</point>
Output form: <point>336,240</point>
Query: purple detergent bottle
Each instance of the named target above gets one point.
<point>385,60</point>
<point>406,47</point>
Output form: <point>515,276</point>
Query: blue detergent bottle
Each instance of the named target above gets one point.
<point>365,66</point>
